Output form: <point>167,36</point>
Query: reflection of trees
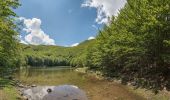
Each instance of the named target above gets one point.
<point>24,72</point>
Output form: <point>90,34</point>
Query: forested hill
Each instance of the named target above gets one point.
<point>43,55</point>
<point>133,47</point>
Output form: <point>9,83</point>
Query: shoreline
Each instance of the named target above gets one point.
<point>147,94</point>
<point>107,89</point>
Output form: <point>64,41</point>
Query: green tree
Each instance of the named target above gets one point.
<point>9,44</point>
<point>135,45</point>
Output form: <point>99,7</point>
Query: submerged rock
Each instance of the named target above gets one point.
<point>63,92</point>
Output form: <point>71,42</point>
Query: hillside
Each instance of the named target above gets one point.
<point>43,55</point>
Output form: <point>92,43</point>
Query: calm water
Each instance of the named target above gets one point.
<point>96,89</point>
<point>51,76</point>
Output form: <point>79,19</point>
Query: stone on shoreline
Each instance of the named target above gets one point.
<point>33,85</point>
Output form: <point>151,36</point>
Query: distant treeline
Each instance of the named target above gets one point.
<point>36,61</point>
<point>51,56</point>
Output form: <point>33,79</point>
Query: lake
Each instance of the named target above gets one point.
<point>96,89</point>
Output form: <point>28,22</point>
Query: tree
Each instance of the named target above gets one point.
<point>135,45</point>
<point>9,44</point>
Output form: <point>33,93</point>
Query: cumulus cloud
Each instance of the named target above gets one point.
<point>75,44</point>
<point>36,35</point>
<point>105,8</point>
<point>91,38</point>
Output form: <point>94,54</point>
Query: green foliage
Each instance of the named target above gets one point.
<point>9,46</point>
<point>135,46</point>
<point>7,91</point>
<point>54,55</point>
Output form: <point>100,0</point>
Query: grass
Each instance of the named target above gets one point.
<point>7,91</point>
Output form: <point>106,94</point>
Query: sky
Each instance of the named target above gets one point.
<point>64,22</point>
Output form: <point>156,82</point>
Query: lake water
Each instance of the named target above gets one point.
<point>95,89</point>
<point>51,76</point>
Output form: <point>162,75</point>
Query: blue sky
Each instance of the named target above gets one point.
<point>63,22</point>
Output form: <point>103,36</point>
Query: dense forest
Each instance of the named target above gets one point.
<point>133,47</point>
<point>9,43</point>
<point>47,56</point>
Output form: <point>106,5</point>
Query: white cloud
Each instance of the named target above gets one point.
<point>91,38</point>
<point>105,8</point>
<point>75,44</point>
<point>36,35</point>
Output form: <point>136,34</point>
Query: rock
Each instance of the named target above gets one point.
<point>133,83</point>
<point>25,98</point>
<point>49,90</point>
<point>33,85</point>
<point>17,81</point>
<point>21,86</point>
<point>21,93</point>
<point>21,89</point>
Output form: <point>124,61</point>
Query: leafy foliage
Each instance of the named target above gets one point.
<point>54,55</point>
<point>9,46</point>
<point>135,46</point>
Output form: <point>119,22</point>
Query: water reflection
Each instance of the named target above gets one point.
<point>95,89</point>
<point>33,71</point>
<point>62,92</point>
<point>51,76</point>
